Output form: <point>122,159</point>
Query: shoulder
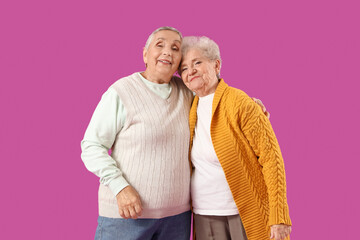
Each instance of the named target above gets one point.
<point>110,93</point>
<point>240,104</point>
<point>125,80</point>
<point>235,92</point>
<point>237,96</point>
<point>129,85</point>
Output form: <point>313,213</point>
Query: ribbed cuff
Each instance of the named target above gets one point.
<point>118,184</point>
<point>279,215</point>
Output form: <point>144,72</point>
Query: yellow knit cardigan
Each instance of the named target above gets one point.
<point>250,156</point>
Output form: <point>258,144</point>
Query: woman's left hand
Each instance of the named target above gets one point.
<point>279,231</point>
<point>259,102</point>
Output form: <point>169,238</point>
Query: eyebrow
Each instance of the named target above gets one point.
<point>194,60</point>
<point>165,39</point>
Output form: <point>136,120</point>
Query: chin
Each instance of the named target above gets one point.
<point>195,86</point>
<point>167,72</point>
<point>163,70</point>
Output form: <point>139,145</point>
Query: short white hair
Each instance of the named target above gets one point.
<point>208,47</point>
<point>150,38</point>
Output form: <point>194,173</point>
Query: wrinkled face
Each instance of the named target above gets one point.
<point>199,73</point>
<point>163,54</point>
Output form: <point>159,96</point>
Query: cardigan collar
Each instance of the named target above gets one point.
<point>220,89</point>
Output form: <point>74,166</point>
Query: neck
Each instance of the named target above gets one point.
<point>156,78</point>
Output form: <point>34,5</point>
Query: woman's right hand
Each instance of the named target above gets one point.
<point>129,203</point>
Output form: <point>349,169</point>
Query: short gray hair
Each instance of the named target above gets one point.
<point>208,47</point>
<point>150,38</point>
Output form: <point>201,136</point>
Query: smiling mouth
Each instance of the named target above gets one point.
<point>165,61</point>
<point>193,78</point>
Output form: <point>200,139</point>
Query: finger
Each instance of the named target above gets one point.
<point>271,233</point>
<point>276,235</point>
<point>126,213</point>
<point>121,212</point>
<point>288,231</point>
<point>258,102</point>
<point>262,108</point>
<point>283,236</point>
<point>138,209</point>
<point>267,114</point>
<point>132,213</point>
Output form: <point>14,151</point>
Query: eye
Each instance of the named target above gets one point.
<point>159,44</point>
<point>183,69</point>
<point>197,62</point>
<point>175,48</point>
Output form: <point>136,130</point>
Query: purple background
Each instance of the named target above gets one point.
<point>301,58</point>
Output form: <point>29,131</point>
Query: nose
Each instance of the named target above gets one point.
<point>192,71</point>
<point>166,51</point>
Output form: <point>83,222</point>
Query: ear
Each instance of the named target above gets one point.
<point>145,55</point>
<point>217,66</point>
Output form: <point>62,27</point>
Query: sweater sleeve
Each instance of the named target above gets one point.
<point>106,122</point>
<point>258,131</point>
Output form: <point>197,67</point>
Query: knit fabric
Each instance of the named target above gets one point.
<point>210,193</point>
<point>106,123</point>
<point>152,149</point>
<point>250,156</point>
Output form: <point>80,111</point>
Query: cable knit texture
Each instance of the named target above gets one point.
<point>250,156</point>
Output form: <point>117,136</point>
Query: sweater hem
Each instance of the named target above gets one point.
<point>111,211</point>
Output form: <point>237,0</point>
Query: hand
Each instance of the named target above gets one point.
<point>259,102</point>
<point>129,203</point>
<point>279,231</point>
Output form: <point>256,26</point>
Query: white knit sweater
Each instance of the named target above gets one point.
<point>150,152</point>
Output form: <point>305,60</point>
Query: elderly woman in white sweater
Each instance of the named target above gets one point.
<point>143,119</point>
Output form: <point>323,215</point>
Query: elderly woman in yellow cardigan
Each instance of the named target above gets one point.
<point>238,185</point>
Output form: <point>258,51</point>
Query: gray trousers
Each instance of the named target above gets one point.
<point>219,227</point>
